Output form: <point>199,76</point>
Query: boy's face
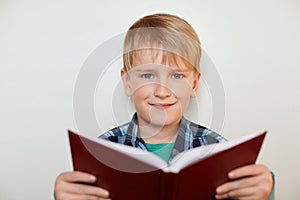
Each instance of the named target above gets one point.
<point>160,92</point>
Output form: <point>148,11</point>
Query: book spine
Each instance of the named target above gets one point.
<point>168,186</point>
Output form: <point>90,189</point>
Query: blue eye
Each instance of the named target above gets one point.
<point>177,76</point>
<point>148,76</point>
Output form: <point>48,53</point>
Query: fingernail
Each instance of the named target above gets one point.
<point>92,178</point>
<point>231,174</point>
<point>106,193</point>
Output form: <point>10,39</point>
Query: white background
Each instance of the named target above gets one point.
<point>43,44</point>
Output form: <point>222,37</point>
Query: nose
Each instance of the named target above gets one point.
<point>162,91</point>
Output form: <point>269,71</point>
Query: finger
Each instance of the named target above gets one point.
<point>79,197</point>
<point>248,170</point>
<point>244,193</point>
<point>240,183</point>
<point>88,190</point>
<point>78,176</point>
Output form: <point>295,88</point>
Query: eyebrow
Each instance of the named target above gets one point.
<point>142,70</point>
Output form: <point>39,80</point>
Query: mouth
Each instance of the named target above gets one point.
<point>161,106</point>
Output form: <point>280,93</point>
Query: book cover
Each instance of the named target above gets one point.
<point>129,173</point>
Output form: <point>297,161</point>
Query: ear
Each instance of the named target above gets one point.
<point>126,82</point>
<point>195,84</point>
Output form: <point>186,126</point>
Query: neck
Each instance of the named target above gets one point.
<point>154,134</point>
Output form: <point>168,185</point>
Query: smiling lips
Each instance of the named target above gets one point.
<point>161,105</point>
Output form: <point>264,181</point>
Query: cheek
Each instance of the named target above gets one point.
<point>141,93</point>
<point>184,98</point>
<point>183,93</point>
<point>140,87</point>
<point>181,90</point>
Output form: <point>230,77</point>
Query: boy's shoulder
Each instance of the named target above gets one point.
<point>116,134</point>
<point>201,134</point>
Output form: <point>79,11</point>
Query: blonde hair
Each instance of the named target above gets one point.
<point>167,33</point>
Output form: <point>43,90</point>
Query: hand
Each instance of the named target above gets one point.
<point>67,187</point>
<point>248,182</point>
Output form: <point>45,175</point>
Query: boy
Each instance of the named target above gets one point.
<point>161,59</point>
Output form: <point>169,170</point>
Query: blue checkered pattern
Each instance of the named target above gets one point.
<point>190,135</point>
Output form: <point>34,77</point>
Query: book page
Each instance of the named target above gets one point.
<point>138,154</point>
<point>109,148</point>
<point>197,154</point>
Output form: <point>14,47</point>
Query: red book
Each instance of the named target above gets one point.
<point>131,174</point>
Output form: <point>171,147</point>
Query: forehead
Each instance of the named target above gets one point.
<point>160,57</point>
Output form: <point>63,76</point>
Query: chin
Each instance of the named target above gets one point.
<point>162,120</point>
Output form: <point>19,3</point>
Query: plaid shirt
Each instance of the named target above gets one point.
<point>190,135</point>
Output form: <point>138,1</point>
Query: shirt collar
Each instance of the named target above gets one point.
<point>183,141</point>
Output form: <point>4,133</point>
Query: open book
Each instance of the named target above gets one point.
<point>130,173</point>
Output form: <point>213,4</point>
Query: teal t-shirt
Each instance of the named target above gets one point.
<point>163,150</point>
